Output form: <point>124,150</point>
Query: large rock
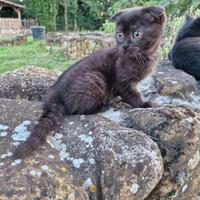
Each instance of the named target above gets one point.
<point>166,86</point>
<point>29,83</point>
<point>176,130</point>
<point>89,158</point>
<point>170,86</point>
<point>170,81</point>
<point>94,158</point>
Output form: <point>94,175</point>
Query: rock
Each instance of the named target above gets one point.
<point>167,86</point>
<point>173,82</point>
<point>170,86</point>
<point>90,158</point>
<point>27,83</point>
<point>105,156</point>
<point>176,130</point>
<point>78,45</point>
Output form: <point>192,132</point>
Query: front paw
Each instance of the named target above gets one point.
<point>147,104</point>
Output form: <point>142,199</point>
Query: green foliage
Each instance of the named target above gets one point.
<point>46,13</point>
<point>170,33</point>
<point>29,40</point>
<point>121,4</point>
<point>60,18</point>
<point>173,7</point>
<point>90,14</point>
<point>179,7</point>
<point>173,26</point>
<point>108,27</point>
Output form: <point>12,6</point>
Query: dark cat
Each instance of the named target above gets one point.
<point>185,54</point>
<point>88,84</point>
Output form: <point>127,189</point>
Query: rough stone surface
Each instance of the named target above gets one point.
<point>176,130</point>
<point>27,83</point>
<point>173,82</point>
<point>78,45</point>
<point>89,158</point>
<point>105,156</point>
<point>170,86</point>
<point>167,86</point>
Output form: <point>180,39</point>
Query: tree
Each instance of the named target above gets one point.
<point>90,14</point>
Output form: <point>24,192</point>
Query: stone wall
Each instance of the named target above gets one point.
<point>120,154</point>
<point>15,40</point>
<point>78,45</point>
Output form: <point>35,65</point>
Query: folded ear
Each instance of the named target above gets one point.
<point>116,16</point>
<point>155,13</point>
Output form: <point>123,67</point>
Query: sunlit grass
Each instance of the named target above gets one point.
<point>33,53</point>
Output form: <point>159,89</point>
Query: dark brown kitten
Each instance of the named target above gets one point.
<point>88,84</point>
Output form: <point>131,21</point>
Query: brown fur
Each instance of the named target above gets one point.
<point>88,84</point>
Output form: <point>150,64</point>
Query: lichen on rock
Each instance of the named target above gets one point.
<point>122,153</point>
<point>98,160</point>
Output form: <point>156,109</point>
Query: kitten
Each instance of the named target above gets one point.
<point>185,54</point>
<point>88,84</point>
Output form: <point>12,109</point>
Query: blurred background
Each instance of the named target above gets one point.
<point>81,15</point>
<point>78,16</point>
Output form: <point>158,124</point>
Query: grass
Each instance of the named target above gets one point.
<point>5,37</point>
<point>33,53</point>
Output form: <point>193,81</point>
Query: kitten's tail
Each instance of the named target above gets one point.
<point>48,122</point>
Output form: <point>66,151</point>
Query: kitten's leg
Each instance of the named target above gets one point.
<point>130,95</point>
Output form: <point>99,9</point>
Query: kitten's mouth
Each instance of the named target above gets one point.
<point>130,50</point>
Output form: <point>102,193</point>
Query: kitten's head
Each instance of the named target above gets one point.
<point>139,29</point>
<point>191,28</point>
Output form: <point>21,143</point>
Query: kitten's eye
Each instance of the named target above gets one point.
<point>137,34</point>
<point>120,36</point>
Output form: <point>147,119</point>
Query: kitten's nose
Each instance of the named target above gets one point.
<point>125,46</point>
